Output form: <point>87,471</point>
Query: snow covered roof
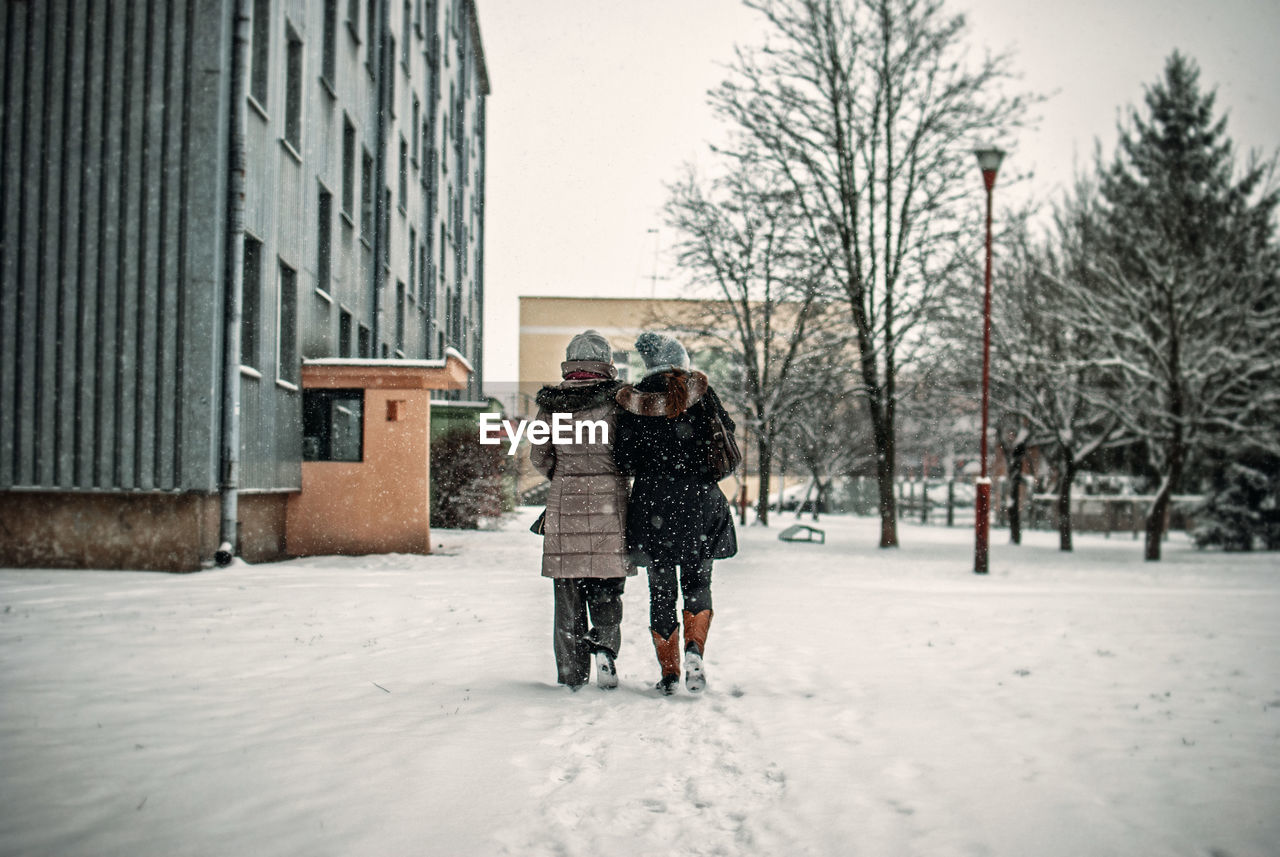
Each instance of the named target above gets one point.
<point>445,373</point>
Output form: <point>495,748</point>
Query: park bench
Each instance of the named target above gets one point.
<point>803,533</point>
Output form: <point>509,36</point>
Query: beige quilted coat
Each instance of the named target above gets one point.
<point>587,506</point>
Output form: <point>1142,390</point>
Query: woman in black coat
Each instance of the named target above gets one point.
<point>677,516</point>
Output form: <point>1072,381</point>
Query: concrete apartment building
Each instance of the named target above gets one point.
<point>131,422</point>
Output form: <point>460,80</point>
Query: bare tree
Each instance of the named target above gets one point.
<point>867,108</point>
<point>1045,350</point>
<point>740,239</point>
<point>827,433</point>
<point>1044,373</point>
<point>1013,433</point>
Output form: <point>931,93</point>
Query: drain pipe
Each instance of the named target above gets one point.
<point>384,67</point>
<point>233,280</point>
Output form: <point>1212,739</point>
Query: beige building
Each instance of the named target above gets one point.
<point>548,323</point>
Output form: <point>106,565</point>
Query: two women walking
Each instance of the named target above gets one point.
<point>675,521</point>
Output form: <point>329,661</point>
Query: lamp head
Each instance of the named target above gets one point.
<point>989,158</point>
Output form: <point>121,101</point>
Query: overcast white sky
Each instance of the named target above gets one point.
<point>596,104</point>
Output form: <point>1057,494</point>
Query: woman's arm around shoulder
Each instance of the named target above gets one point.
<point>543,455</point>
<point>624,440</point>
<point>713,401</point>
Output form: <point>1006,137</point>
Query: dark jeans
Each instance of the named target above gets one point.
<point>576,599</point>
<point>693,581</point>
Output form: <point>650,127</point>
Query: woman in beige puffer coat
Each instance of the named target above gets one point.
<point>584,549</point>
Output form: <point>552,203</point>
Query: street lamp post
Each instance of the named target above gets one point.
<point>989,160</point>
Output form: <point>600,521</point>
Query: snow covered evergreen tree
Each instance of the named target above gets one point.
<point>1183,298</point>
<point>1245,510</point>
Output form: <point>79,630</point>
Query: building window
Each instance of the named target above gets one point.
<point>324,254</point>
<point>386,226</point>
<point>371,32</point>
<point>353,19</point>
<point>408,24</point>
<point>348,165</point>
<point>443,255</point>
<point>293,93</point>
<point>400,294</point>
<point>318,343</point>
<point>413,262</point>
<point>428,156</point>
<point>417,110</point>
<point>261,38</point>
<point>329,63</point>
<point>404,174</point>
<point>390,66</point>
<point>332,425</point>
<point>422,277</point>
<point>366,197</point>
<point>344,334</point>
<point>250,301</point>
<point>448,315</point>
<point>365,341</point>
<point>287,368</point>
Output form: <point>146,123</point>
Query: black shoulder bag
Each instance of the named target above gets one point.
<point>723,455</point>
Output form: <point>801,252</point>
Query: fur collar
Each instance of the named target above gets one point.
<point>600,367</point>
<point>655,404</point>
<point>572,396</point>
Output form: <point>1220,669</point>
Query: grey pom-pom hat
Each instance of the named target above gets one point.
<point>661,353</point>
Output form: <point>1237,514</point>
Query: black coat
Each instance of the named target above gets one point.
<point>677,514</point>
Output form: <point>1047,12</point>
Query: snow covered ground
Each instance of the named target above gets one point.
<point>861,702</point>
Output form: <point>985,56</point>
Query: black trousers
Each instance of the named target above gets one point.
<point>577,600</point>
<point>665,584</point>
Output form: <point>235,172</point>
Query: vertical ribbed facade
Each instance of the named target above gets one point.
<point>113,159</point>
<point>396,265</point>
<point>110,293</point>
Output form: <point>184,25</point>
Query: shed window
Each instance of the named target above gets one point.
<point>332,425</point>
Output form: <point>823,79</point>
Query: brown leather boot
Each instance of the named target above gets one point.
<point>696,626</point>
<point>668,652</point>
